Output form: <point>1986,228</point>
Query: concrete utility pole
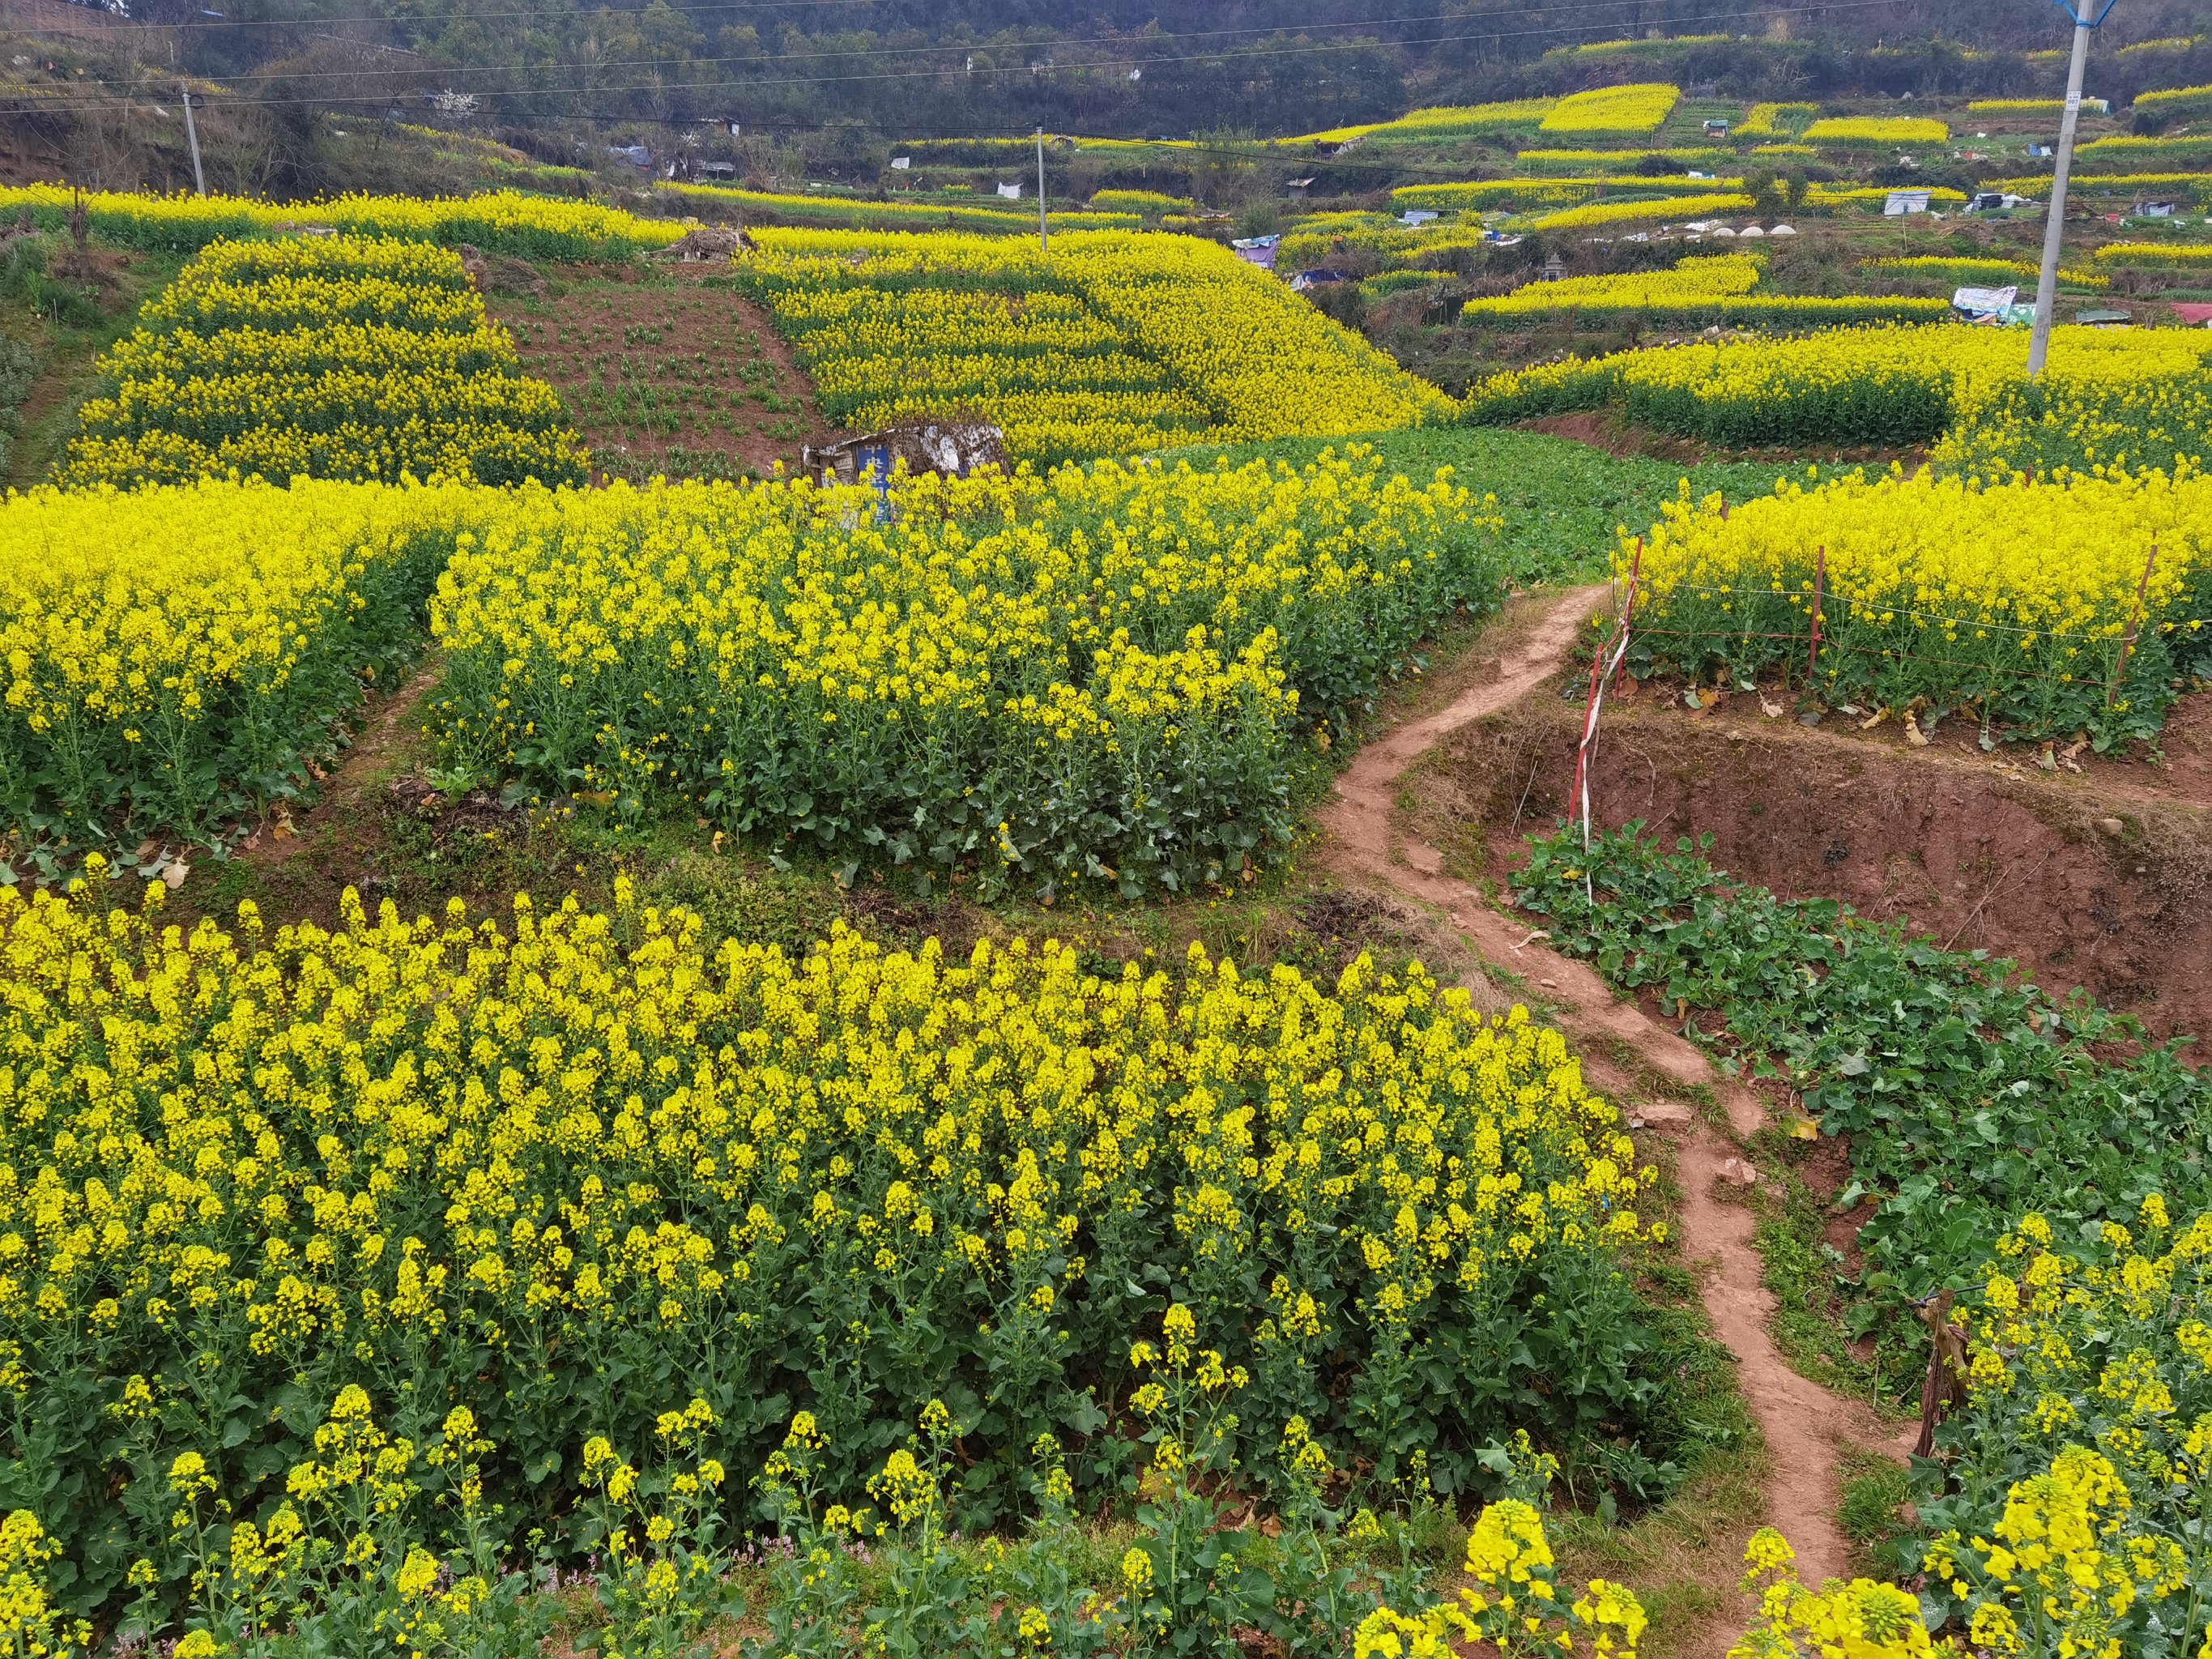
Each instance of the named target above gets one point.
<point>2054,229</point>
<point>1041,247</point>
<point>192,137</point>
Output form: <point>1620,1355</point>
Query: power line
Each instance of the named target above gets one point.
<point>957,47</point>
<point>710,6</point>
<point>756,83</point>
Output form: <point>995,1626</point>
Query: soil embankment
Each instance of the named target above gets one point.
<point>2091,874</point>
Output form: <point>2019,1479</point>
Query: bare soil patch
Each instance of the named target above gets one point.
<point>2094,875</point>
<point>665,374</point>
<point>1603,429</point>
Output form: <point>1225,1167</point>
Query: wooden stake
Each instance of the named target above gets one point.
<point>1628,608</point>
<point>2135,624</point>
<point>1819,587</point>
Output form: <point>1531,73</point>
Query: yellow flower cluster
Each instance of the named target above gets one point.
<point>2196,184</point>
<point>31,1626</point>
<point>859,211</point>
<point>1514,1606</point>
<point>173,656</point>
<point>2154,254</point>
<point>1513,1603</point>
<point>1766,120</point>
<point>2175,100</point>
<point>1395,246</point>
<point>1106,676</point>
<point>2142,398</point>
<point>1845,130</point>
<point>1628,111</point>
<point>2120,147</point>
<point>1861,1620</point>
<point>1717,276</point>
<point>862,212</point>
<point>2032,106</point>
<point>2088,1440</point>
<point>2017,599</point>
<point>1232,354</point>
<point>1617,213</point>
<point>325,357</point>
<point>1828,198</point>
<point>1694,282</point>
<point>2064,1570</point>
<point>1150,204</point>
<point>534,227</point>
<point>1953,268</point>
<point>1550,192</point>
<point>1451,121</point>
<point>1622,160</point>
<point>564,1170</point>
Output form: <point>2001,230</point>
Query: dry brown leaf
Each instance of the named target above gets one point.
<point>173,873</point>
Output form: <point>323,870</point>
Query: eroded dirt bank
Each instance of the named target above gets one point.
<point>2099,879</point>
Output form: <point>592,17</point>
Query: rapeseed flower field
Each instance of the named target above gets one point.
<point>509,221</point>
<point>1716,289</point>
<point>1862,129</point>
<point>327,358</point>
<point>565,1170</point>
<point>1110,676</point>
<point>1551,192</point>
<point>2068,1520</point>
<point>2125,401</point>
<point>2039,604</point>
<point>2076,1521</point>
<point>1110,344</point>
<point>1772,120</point>
<point>175,657</point>
<point>1607,111</point>
<point>338,1264</point>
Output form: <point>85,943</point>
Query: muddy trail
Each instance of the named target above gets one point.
<point>1805,1425</point>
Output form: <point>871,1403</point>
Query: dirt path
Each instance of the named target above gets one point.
<point>1804,1423</point>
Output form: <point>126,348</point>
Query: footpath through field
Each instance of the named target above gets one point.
<point>1805,1425</point>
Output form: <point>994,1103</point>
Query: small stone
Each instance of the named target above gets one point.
<point>1548,982</point>
<point>1665,1115</point>
<point>1735,1170</point>
<point>2112,827</point>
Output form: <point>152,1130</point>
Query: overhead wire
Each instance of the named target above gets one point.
<point>462,15</point>
<point>932,74</point>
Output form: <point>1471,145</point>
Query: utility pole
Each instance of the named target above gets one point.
<point>193,135</point>
<point>2054,229</point>
<point>1042,246</point>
